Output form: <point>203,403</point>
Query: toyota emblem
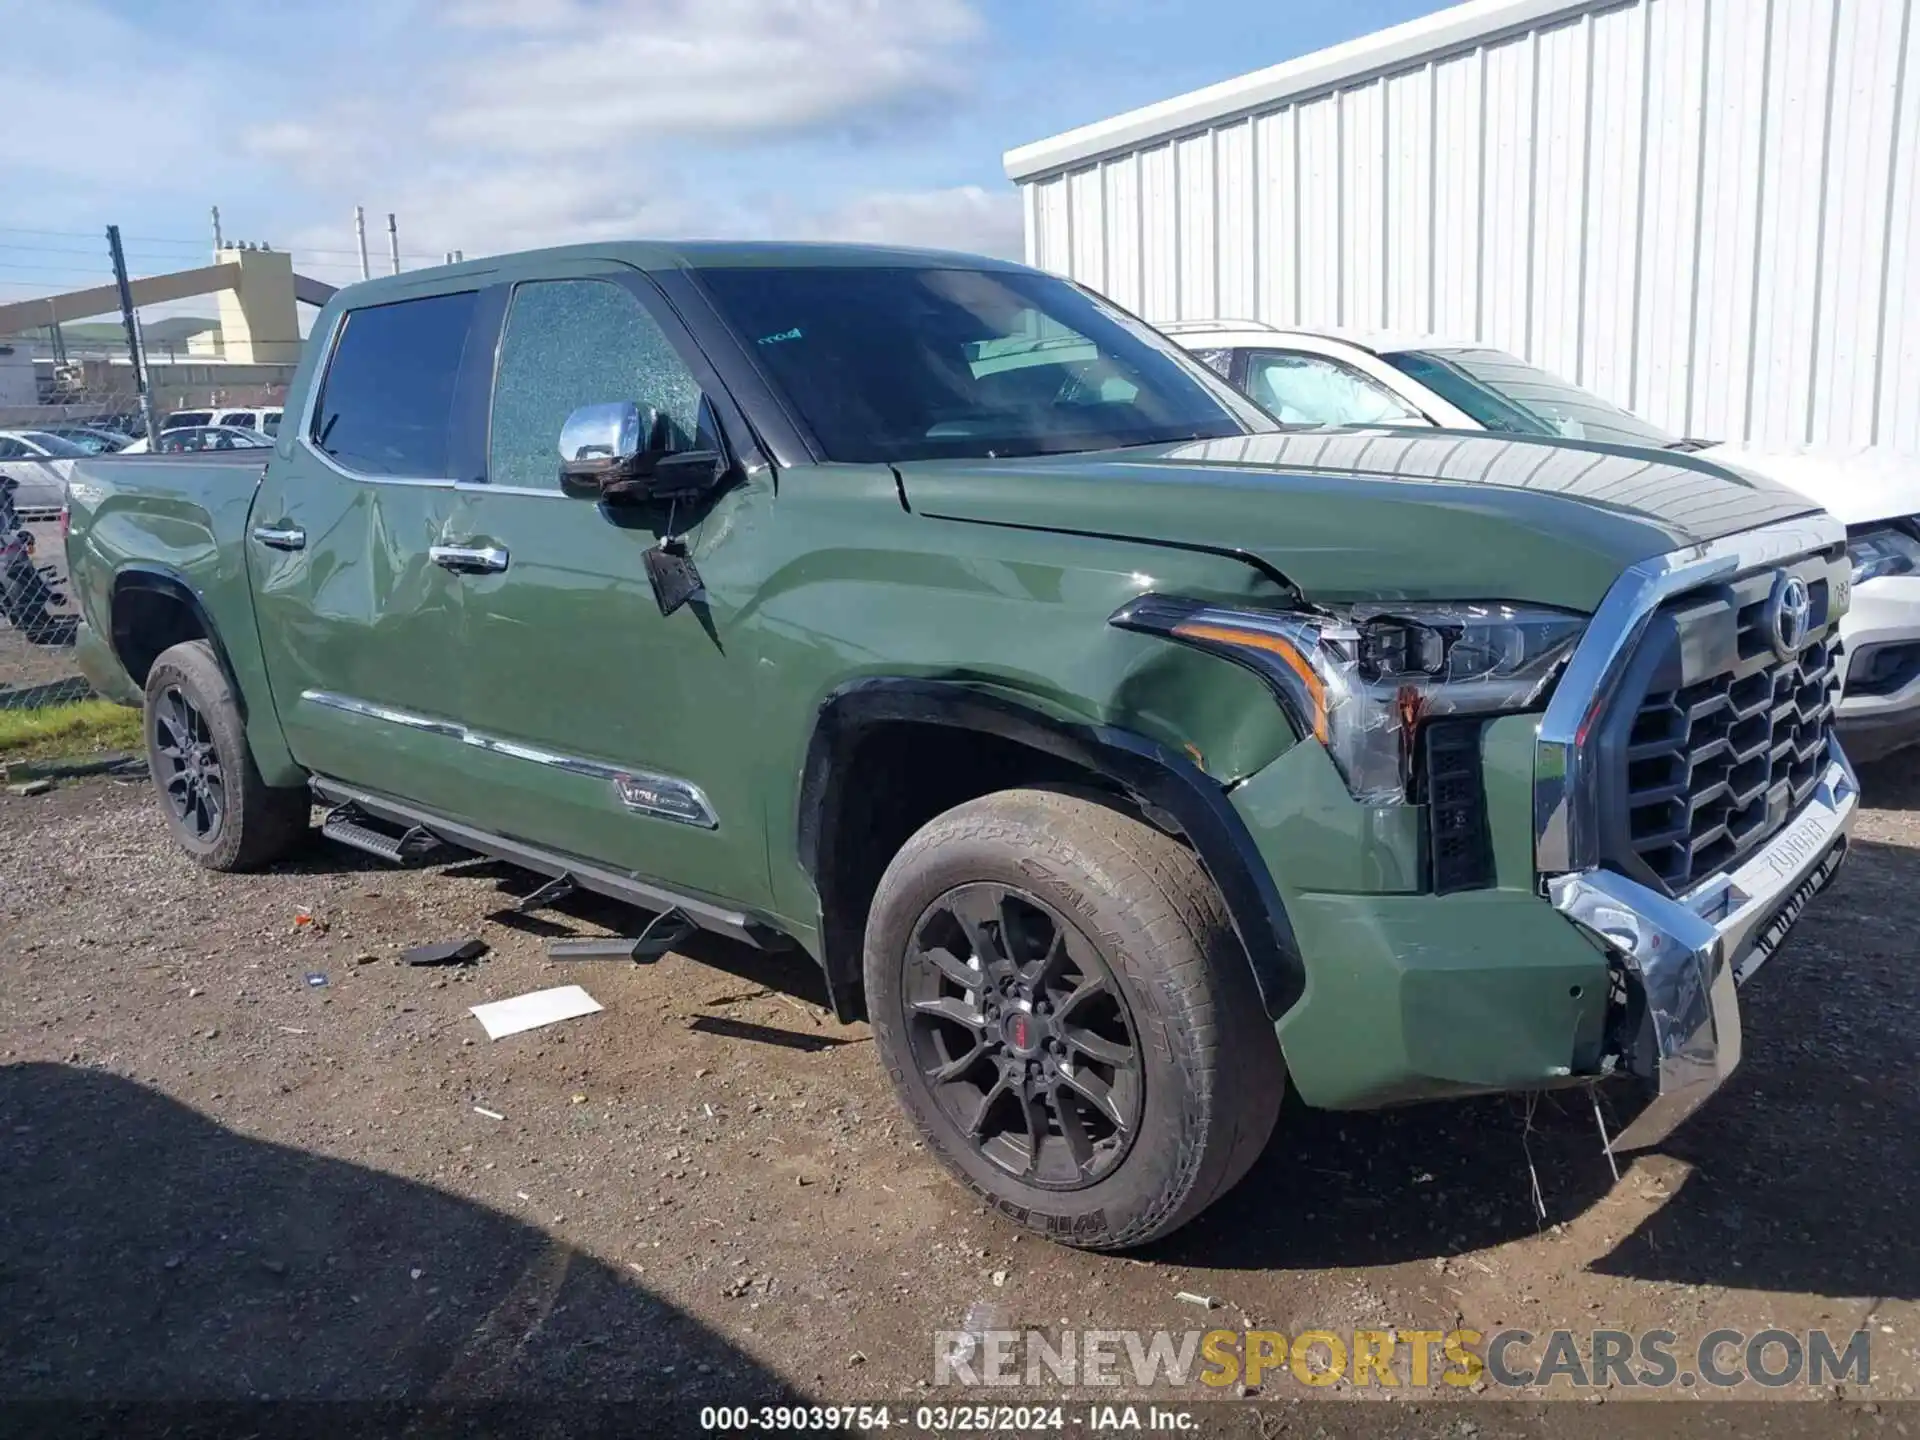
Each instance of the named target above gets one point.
<point>1789,614</point>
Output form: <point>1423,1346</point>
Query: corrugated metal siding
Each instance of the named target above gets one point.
<point>1706,210</point>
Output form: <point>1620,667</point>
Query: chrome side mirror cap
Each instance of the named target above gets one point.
<point>607,444</point>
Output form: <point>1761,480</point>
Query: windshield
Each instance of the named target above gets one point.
<point>887,363</point>
<point>51,444</point>
<point>91,441</point>
<point>1504,393</point>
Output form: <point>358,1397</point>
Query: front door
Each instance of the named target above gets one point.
<point>608,730</point>
<point>359,627</point>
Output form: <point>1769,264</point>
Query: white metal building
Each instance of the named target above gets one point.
<point>1704,209</point>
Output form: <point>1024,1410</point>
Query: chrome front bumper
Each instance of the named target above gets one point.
<point>1686,957</point>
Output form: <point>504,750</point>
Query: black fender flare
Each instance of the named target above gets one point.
<point>1168,787</point>
<point>145,577</point>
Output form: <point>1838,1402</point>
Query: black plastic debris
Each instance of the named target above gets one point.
<point>445,952</point>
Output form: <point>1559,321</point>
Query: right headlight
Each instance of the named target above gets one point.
<point>1361,678</point>
<point>1883,550</point>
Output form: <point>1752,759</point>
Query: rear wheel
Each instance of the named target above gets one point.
<point>1065,1011</point>
<point>220,810</point>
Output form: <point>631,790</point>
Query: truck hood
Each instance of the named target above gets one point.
<point>1857,486</point>
<point>1377,514</point>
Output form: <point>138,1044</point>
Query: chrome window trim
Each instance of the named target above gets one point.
<point>645,792</point>
<point>1564,801</point>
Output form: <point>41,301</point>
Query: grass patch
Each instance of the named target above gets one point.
<point>58,731</point>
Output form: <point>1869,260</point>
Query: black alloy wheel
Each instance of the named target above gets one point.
<point>1023,1036</point>
<point>192,779</point>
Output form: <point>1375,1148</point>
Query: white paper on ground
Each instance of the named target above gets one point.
<point>529,1012</point>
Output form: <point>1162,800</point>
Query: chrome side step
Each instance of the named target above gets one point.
<point>584,874</point>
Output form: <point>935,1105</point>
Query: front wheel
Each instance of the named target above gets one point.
<point>219,809</point>
<point>1069,1018</point>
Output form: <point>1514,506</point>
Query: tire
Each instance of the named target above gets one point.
<point>1022,873</point>
<point>220,811</point>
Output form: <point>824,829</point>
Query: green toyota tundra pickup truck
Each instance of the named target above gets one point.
<point>1120,756</point>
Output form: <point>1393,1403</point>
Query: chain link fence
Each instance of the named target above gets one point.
<point>69,394</point>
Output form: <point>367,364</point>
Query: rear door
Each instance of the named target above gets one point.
<point>360,627</point>
<point>608,730</point>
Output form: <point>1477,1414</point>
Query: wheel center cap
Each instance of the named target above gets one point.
<point>1023,1031</point>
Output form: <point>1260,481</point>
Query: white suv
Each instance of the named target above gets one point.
<point>1319,377</point>
<point>262,418</point>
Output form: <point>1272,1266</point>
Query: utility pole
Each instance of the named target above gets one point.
<point>360,238</point>
<point>393,242</point>
<point>132,323</point>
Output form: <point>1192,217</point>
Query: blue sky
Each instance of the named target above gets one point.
<point>500,124</point>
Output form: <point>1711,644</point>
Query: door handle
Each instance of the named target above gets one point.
<point>281,537</point>
<point>469,559</point>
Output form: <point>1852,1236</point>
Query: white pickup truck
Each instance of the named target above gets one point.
<point>1322,377</point>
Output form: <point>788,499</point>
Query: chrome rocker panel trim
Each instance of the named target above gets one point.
<point>1689,955</point>
<point>1563,795</point>
<point>665,797</point>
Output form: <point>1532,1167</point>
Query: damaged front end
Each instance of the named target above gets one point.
<point>1674,1015</point>
<point>1690,797</point>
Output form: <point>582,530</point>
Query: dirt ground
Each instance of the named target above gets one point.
<point>242,1157</point>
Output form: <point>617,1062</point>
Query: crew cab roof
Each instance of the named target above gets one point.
<point>674,255</point>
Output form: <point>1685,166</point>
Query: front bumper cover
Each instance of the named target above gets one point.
<point>1685,957</point>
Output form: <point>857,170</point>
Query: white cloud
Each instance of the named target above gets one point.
<point>493,125</point>
<point>541,122</point>
<point>966,217</point>
<point>578,77</point>
<point>88,131</point>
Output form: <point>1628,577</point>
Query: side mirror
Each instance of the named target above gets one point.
<point>623,451</point>
<point>604,448</point>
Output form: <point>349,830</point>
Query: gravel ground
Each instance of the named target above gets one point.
<point>245,1156</point>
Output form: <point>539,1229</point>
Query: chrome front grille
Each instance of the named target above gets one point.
<point>1726,739</point>
<point>1715,768</point>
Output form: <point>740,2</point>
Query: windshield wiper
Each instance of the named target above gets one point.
<point>1688,446</point>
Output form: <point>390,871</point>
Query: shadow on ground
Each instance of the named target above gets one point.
<point>1893,783</point>
<point>1802,1170</point>
<point>148,1253</point>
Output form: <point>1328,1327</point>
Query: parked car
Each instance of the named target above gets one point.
<point>92,439</point>
<point>1327,378</point>
<point>265,419</point>
<point>1118,755</point>
<point>201,437</point>
<point>37,462</point>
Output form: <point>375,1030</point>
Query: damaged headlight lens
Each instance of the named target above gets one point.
<point>1887,550</point>
<point>1361,678</point>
